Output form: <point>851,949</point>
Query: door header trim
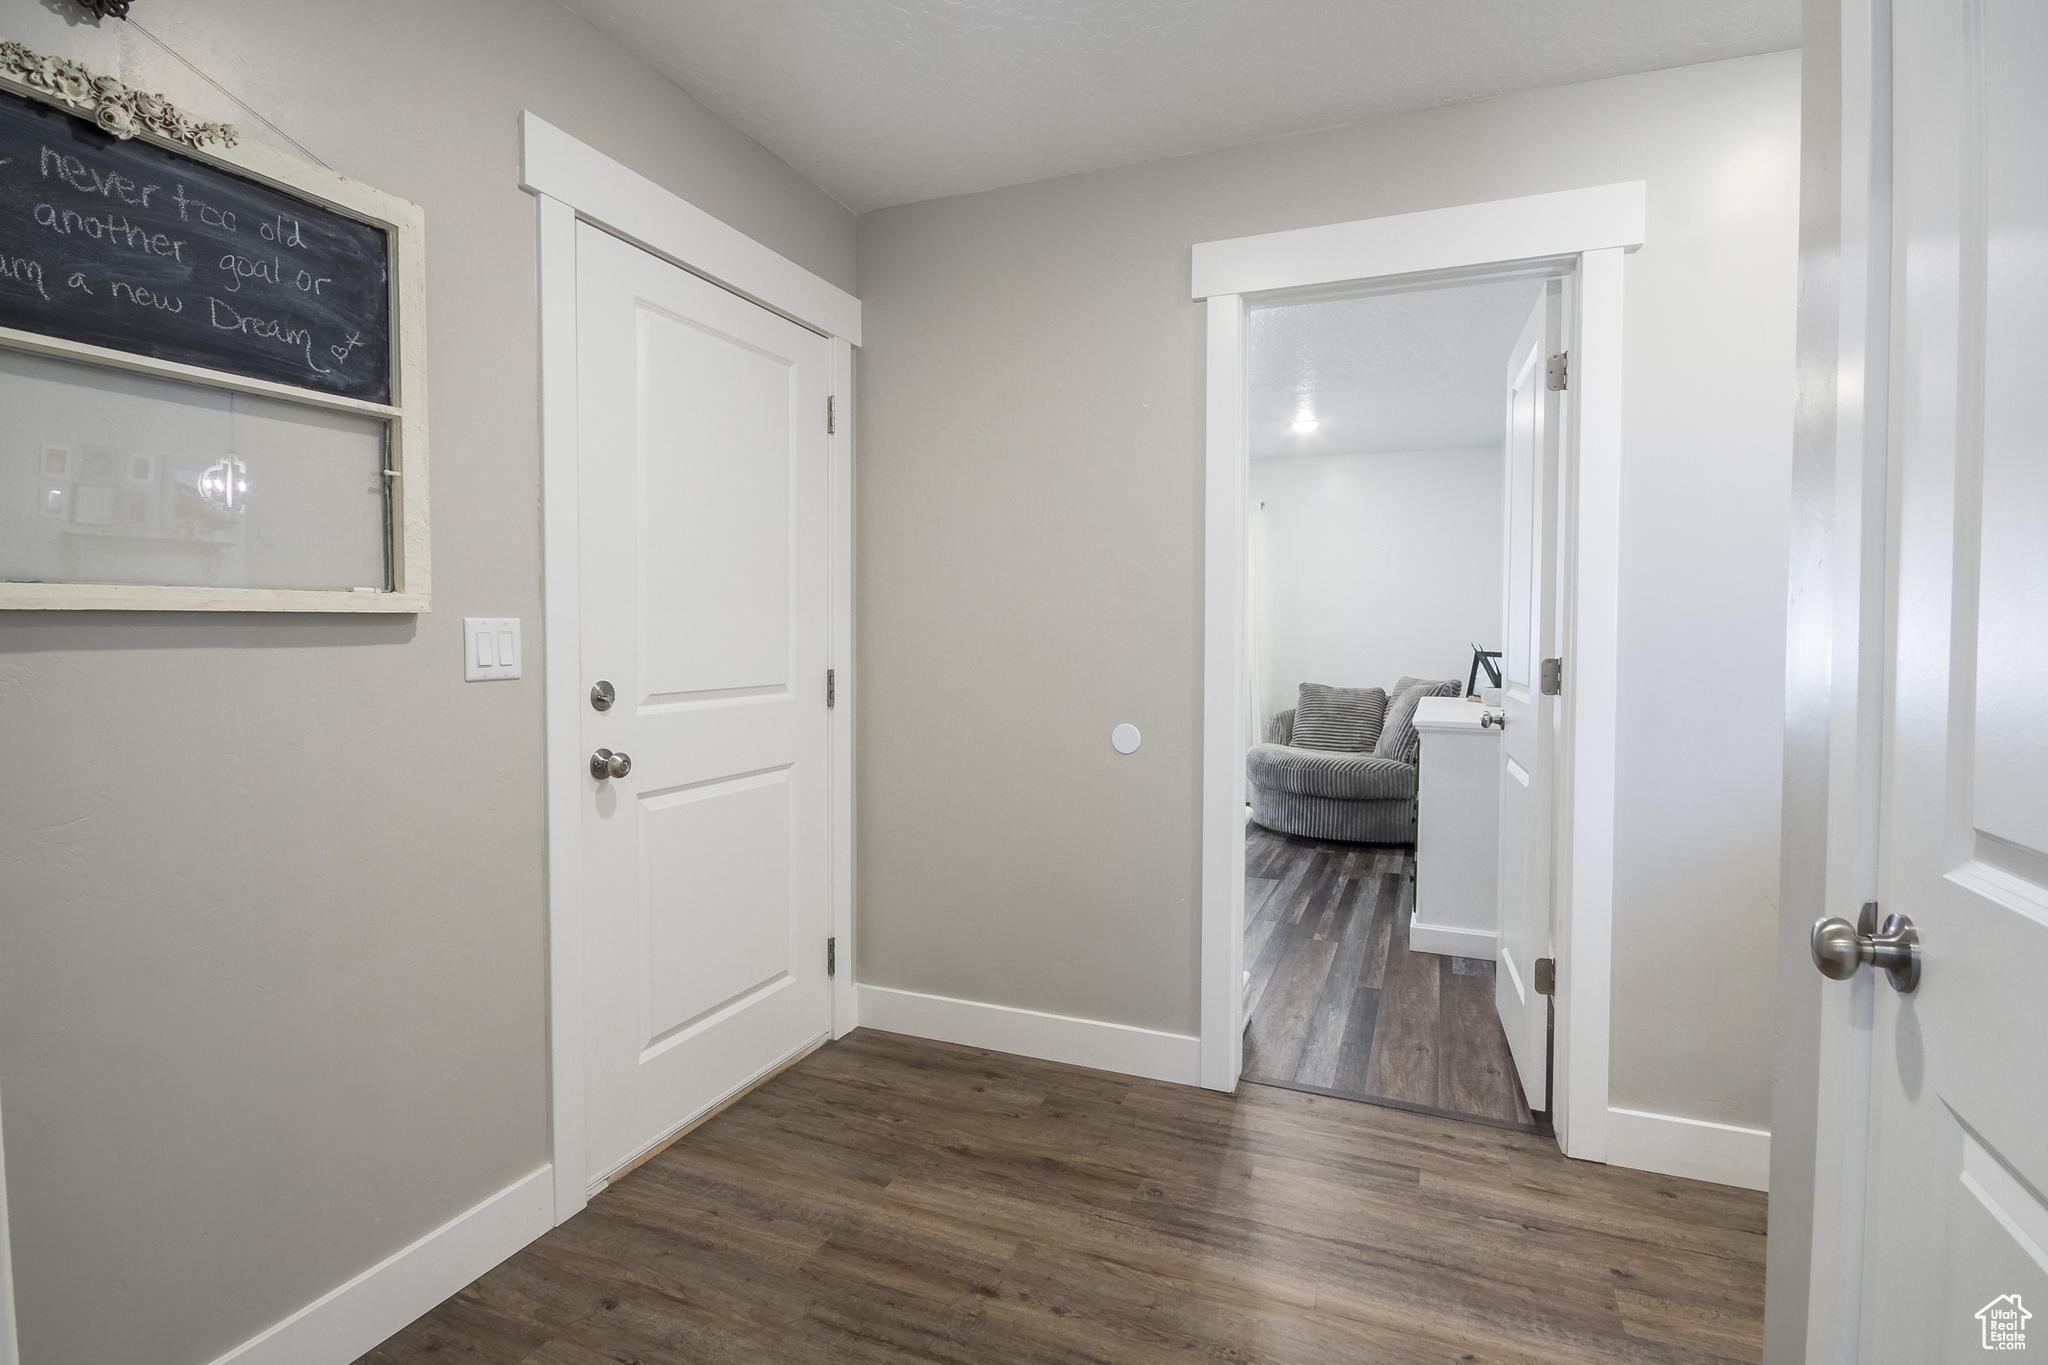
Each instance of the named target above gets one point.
<point>1535,227</point>
<point>627,204</point>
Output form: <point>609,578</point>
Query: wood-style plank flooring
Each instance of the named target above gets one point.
<point>894,1200</point>
<point>1341,1005</point>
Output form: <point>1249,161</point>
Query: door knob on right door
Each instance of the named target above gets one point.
<point>604,763</point>
<point>1840,947</point>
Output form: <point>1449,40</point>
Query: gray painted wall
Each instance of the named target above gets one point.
<point>272,990</point>
<point>1030,541</point>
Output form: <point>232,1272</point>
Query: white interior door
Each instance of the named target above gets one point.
<point>702,519</point>
<point>1529,740</point>
<point>1955,1249</point>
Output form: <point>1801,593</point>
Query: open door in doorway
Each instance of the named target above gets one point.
<point>1528,707</point>
<point>1942,1228</point>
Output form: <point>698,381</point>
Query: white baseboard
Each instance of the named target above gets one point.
<point>1693,1148</point>
<point>345,1323</point>
<point>1442,938</point>
<point>1028,1033</point>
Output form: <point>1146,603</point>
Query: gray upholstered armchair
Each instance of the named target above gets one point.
<point>1351,772</point>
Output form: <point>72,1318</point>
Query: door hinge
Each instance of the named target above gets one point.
<point>1557,372</point>
<point>1546,976</point>
<point>831,688</point>
<point>832,957</point>
<point>831,420</point>
<point>1553,677</point>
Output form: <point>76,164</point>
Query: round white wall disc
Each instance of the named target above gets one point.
<point>1125,738</point>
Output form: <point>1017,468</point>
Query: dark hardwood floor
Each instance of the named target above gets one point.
<point>894,1200</point>
<point>1339,1003</point>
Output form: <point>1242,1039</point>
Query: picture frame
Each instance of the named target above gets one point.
<point>125,113</point>
<point>1482,659</point>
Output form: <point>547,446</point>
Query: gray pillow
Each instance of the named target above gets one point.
<point>1432,687</point>
<point>1343,720</point>
<point>1398,738</point>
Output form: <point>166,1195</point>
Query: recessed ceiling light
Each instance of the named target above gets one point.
<point>1306,424</point>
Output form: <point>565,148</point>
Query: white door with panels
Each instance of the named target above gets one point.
<point>1528,710</point>
<point>702,527</point>
<point>1954,952</point>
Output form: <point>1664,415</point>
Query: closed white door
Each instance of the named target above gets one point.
<point>1955,1251</point>
<point>702,451</point>
<point>1527,742</point>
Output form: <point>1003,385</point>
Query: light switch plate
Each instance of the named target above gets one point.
<point>490,648</point>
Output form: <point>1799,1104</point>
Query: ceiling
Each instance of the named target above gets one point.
<point>1389,372</point>
<point>887,102</point>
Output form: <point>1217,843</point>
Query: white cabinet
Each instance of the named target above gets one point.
<point>1457,831</point>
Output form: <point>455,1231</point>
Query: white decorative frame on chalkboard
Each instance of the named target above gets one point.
<point>404,414</point>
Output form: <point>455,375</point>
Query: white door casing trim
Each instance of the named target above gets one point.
<point>1094,1043</point>
<point>1533,227</point>
<point>1590,229</point>
<point>350,1320</point>
<point>629,205</point>
<point>1589,640</point>
<point>839,650</point>
<point>562,674</point>
<point>1226,699</point>
<point>573,182</point>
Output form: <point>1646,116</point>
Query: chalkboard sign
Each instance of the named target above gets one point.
<point>132,246</point>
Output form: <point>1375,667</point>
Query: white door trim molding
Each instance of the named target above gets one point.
<point>629,205</point>
<point>1589,636</point>
<point>839,649</point>
<point>1586,231</point>
<point>562,611</point>
<point>573,182</point>
<point>1534,227</point>
<point>1226,700</point>
<point>1096,1043</point>
<point>348,1321</point>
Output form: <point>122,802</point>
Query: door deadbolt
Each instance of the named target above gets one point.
<point>1840,947</point>
<point>604,763</point>
<point>602,696</point>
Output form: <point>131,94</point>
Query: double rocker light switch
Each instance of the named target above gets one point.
<point>490,646</point>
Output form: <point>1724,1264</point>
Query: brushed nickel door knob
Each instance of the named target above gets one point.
<point>1839,948</point>
<point>604,763</point>
<point>1497,721</point>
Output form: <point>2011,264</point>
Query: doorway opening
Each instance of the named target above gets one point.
<point>1562,394</point>
<point>1396,484</point>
